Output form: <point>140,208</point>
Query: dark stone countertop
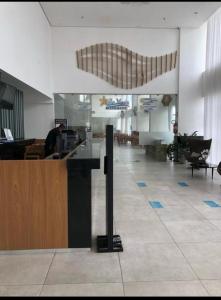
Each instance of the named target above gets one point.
<point>86,156</point>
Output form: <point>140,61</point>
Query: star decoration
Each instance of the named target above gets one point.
<point>103,101</point>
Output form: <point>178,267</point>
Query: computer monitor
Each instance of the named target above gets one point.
<point>71,138</point>
<point>8,134</point>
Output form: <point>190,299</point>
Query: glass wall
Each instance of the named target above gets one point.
<point>127,113</point>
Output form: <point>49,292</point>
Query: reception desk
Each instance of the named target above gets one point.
<point>14,149</point>
<point>79,166</point>
<point>43,202</point>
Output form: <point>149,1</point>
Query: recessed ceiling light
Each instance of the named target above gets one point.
<point>135,3</point>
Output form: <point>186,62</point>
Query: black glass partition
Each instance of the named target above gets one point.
<point>109,242</point>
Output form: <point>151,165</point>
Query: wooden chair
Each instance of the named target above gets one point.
<point>34,151</point>
<point>135,138</point>
<point>39,141</point>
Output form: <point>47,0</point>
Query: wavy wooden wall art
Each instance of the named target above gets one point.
<point>122,67</point>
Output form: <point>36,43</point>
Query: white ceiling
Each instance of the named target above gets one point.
<point>129,14</point>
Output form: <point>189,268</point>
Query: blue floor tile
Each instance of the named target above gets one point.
<point>156,204</point>
<point>141,184</point>
<point>212,203</point>
<point>182,183</point>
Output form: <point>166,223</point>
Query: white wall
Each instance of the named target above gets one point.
<point>192,65</point>
<point>159,119</point>
<point>25,39</point>
<point>38,115</point>
<point>142,121</point>
<point>148,42</point>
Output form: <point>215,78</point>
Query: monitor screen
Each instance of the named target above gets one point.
<point>8,134</point>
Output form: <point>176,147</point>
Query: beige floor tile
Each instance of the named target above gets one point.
<point>143,231</point>
<point>87,290</point>
<point>148,262</point>
<point>99,227</point>
<point>84,268</point>
<point>210,213</point>
<point>213,287</point>
<point>205,258</point>
<point>20,290</point>
<point>73,250</point>
<point>135,199</point>
<point>193,231</point>
<point>25,252</point>
<point>24,269</point>
<point>216,223</point>
<point>135,213</point>
<point>165,288</point>
<point>179,213</point>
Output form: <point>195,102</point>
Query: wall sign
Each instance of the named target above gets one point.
<point>115,104</point>
<point>61,121</point>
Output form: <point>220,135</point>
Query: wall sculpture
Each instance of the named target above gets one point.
<point>122,67</point>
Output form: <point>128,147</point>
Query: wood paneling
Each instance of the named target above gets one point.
<point>33,204</point>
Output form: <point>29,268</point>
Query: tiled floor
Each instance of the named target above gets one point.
<point>173,250</point>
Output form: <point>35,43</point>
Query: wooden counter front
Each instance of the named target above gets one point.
<point>33,204</point>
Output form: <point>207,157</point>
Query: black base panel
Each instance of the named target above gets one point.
<point>102,244</point>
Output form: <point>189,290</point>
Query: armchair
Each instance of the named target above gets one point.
<point>198,151</point>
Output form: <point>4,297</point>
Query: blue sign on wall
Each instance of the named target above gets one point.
<point>117,104</point>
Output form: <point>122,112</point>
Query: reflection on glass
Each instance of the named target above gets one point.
<point>127,113</point>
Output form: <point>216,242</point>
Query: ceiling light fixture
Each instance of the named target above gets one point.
<point>135,3</point>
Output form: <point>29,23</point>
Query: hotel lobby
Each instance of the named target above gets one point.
<point>150,70</point>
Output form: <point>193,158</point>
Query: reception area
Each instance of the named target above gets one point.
<point>41,200</point>
<point>145,70</point>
